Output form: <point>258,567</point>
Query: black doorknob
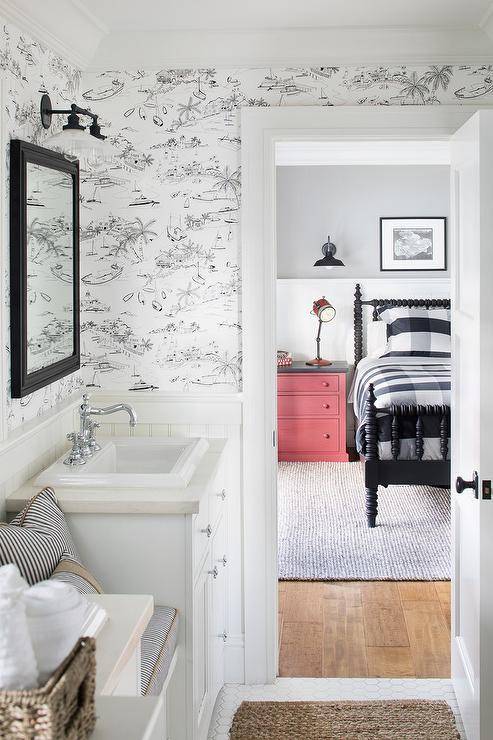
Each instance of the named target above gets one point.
<point>461,484</point>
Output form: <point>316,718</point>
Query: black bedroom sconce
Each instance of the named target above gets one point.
<point>329,260</point>
<point>73,140</point>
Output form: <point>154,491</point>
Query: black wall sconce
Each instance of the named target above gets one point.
<point>74,141</point>
<point>329,260</point>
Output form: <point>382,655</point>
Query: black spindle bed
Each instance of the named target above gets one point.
<point>417,471</point>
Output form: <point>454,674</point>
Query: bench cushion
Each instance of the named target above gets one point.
<point>158,645</point>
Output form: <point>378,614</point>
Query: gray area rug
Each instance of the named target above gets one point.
<point>323,534</point>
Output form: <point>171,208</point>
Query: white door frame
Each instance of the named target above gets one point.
<point>261,129</point>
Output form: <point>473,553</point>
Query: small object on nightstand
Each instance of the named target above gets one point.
<point>284,358</point>
<point>325,312</point>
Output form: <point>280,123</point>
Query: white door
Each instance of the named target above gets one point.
<point>472,422</point>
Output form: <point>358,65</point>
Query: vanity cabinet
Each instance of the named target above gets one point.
<point>209,604</point>
<point>170,543</point>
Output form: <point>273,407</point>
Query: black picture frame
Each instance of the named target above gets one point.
<point>414,268</point>
<point>23,382</point>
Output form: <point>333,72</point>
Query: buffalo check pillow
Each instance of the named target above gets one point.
<point>416,332</point>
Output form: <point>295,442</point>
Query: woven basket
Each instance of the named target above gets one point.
<point>62,709</point>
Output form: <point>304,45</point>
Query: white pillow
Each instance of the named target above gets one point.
<point>376,339</point>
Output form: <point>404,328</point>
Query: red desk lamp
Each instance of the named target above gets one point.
<point>325,312</point>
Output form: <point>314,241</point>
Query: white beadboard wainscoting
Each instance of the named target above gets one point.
<point>34,446</point>
<point>162,414</point>
<point>297,327</point>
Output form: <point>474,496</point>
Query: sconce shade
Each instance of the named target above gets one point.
<point>329,260</point>
<point>79,144</point>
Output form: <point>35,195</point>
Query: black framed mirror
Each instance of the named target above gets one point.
<point>44,267</point>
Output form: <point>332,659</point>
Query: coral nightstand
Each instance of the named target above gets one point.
<point>311,412</point>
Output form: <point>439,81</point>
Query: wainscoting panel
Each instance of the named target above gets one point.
<point>33,447</point>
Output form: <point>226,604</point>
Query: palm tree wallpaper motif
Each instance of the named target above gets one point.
<point>169,279</point>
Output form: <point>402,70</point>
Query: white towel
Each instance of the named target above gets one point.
<point>55,614</point>
<point>18,668</point>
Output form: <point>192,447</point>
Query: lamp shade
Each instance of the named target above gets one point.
<point>79,144</point>
<point>323,310</point>
<point>329,259</point>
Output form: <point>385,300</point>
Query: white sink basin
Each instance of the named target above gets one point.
<point>134,462</point>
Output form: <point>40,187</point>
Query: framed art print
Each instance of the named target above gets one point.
<point>413,243</point>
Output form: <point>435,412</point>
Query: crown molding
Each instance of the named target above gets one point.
<point>66,28</point>
<point>292,47</point>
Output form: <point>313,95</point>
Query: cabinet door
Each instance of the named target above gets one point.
<point>218,635</point>
<point>202,603</point>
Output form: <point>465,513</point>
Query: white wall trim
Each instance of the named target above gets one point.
<point>261,130</point>
<point>157,407</point>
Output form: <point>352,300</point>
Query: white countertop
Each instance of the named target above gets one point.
<point>128,617</point>
<point>131,500</point>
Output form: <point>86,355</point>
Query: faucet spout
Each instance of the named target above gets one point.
<point>92,411</point>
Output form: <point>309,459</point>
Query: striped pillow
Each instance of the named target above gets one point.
<point>38,541</point>
<point>416,332</point>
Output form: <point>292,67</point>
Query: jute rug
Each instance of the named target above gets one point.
<point>323,533</point>
<point>344,720</point>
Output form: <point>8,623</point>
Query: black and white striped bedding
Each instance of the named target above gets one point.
<point>407,380</point>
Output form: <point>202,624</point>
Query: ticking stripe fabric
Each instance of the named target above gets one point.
<point>407,380</point>
<point>416,332</point>
<point>158,645</point>
<point>323,534</point>
<point>37,540</point>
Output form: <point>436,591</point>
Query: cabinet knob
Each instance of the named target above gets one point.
<point>222,495</point>
<point>214,572</point>
<point>224,636</point>
<point>207,530</point>
<point>327,435</point>
<point>326,406</point>
<point>325,384</point>
<point>224,561</point>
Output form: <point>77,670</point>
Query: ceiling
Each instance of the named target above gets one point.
<point>108,34</point>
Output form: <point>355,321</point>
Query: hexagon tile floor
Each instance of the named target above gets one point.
<point>326,689</point>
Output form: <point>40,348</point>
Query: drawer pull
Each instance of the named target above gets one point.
<point>222,495</point>
<point>325,406</point>
<point>327,435</point>
<point>224,561</point>
<point>207,530</point>
<point>214,572</point>
<point>325,384</point>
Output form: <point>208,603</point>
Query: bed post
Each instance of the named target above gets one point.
<point>358,325</point>
<point>371,454</point>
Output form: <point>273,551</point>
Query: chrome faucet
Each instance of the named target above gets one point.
<point>84,443</point>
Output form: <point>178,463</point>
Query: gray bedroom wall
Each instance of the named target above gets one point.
<point>347,202</point>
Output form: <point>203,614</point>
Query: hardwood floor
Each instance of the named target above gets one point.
<point>350,629</point>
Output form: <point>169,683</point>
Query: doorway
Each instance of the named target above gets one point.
<point>357,602</point>
<point>262,130</point>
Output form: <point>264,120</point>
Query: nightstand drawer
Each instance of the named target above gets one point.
<point>326,404</point>
<point>308,383</point>
<point>308,435</point>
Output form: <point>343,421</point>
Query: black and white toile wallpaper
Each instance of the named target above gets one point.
<point>161,283</point>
